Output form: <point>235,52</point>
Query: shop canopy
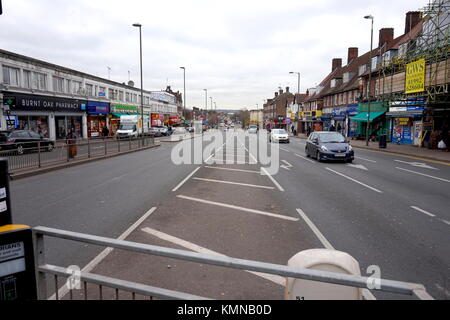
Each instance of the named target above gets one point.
<point>363,116</point>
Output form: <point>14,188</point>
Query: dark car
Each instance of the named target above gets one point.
<point>329,146</point>
<point>24,140</point>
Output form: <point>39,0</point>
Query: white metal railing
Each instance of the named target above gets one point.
<point>43,269</point>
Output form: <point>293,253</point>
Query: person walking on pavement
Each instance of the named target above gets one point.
<point>332,128</point>
<point>71,141</point>
<point>105,132</point>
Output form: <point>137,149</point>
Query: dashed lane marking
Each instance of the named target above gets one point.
<point>185,180</point>
<point>354,180</point>
<point>423,174</point>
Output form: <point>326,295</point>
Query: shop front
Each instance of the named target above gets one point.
<point>379,124</point>
<point>175,121</point>
<point>97,118</point>
<point>312,120</point>
<point>157,120</point>
<point>341,119</point>
<point>51,117</point>
<point>118,110</point>
<point>406,124</point>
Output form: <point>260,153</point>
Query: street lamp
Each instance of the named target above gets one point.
<point>369,89</point>
<point>297,73</point>
<point>138,25</point>
<point>184,98</point>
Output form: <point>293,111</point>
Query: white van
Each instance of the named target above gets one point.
<point>131,127</point>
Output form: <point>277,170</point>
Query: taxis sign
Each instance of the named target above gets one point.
<point>415,77</point>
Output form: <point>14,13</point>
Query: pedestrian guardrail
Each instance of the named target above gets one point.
<point>62,151</point>
<point>43,270</point>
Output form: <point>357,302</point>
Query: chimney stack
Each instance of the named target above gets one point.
<point>337,63</point>
<point>352,54</point>
<point>386,36</point>
<point>412,19</point>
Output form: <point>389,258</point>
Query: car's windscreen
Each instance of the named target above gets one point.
<point>332,138</point>
<point>127,127</point>
<point>280,132</point>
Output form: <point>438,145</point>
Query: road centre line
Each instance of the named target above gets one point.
<point>365,292</point>
<point>423,211</point>
<point>224,205</point>
<point>304,158</point>
<point>195,248</point>
<point>185,180</point>
<point>286,150</point>
<point>99,258</point>
<point>423,174</point>
<point>265,172</point>
<point>234,183</point>
<point>236,170</point>
<point>354,180</point>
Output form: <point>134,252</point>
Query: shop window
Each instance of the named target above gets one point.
<point>36,124</point>
<point>89,90</point>
<point>76,87</point>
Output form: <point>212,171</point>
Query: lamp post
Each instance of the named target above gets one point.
<point>184,98</point>
<point>206,102</point>
<point>369,89</point>
<point>138,25</point>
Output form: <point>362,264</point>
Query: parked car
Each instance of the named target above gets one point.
<point>153,131</point>
<point>329,146</point>
<point>190,129</point>
<point>24,140</point>
<point>179,131</point>
<point>279,136</point>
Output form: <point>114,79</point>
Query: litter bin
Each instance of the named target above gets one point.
<point>383,141</point>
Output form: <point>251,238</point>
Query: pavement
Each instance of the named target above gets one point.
<point>385,210</point>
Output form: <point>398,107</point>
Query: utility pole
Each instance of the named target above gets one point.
<point>138,25</point>
<point>369,89</point>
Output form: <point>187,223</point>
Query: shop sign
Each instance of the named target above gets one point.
<point>405,109</point>
<point>415,76</point>
<point>403,121</point>
<point>25,102</point>
<point>118,108</point>
<point>98,108</point>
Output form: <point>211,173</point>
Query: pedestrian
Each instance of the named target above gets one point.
<point>105,131</point>
<point>332,128</point>
<point>339,128</point>
<point>71,141</point>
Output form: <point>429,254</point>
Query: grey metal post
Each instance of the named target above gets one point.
<point>89,148</point>
<point>39,258</point>
<point>369,89</point>
<point>39,154</point>
<point>138,25</point>
<point>106,147</point>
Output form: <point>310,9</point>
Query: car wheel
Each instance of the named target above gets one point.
<point>50,147</point>
<point>20,150</point>
<point>350,161</point>
<point>318,156</point>
<point>307,153</point>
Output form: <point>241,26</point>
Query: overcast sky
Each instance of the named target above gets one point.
<point>240,50</point>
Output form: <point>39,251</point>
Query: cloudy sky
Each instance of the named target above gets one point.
<point>240,50</point>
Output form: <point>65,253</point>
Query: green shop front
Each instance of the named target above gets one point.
<point>118,110</point>
<point>376,117</point>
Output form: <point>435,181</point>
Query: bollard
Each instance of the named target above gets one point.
<point>323,260</point>
<point>17,268</point>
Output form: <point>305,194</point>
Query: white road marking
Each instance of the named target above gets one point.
<point>266,173</point>
<point>357,166</point>
<point>373,161</point>
<point>316,231</point>
<point>425,175</point>
<point>304,158</point>
<point>98,259</point>
<point>287,165</point>
<point>229,206</point>
<point>445,221</point>
<point>218,150</point>
<point>234,183</point>
<point>417,164</point>
<point>286,150</point>
<point>185,180</point>
<point>423,211</point>
<point>354,180</point>
<point>365,292</point>
<point>193,247</point>
<point>236,170</point>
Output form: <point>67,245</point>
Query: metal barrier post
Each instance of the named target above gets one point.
<point>130,143</point>
<point>106,147</point>
<point>39,153</point>
<point>118,145</point>
<point>39,257</point>
<point>89,148</point>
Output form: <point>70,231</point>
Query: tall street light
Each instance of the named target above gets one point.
<point>138,25</point>
<point>184,98</point>
<point>206,102</point>
<point>369,89</point>
<point>297,73</point>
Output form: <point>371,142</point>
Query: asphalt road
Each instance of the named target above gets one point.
<point>388,211</point>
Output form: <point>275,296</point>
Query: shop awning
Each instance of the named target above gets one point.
<point>363,116</point>
<point>118,115</point>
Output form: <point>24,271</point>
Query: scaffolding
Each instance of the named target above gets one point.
<point>433,45</point>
